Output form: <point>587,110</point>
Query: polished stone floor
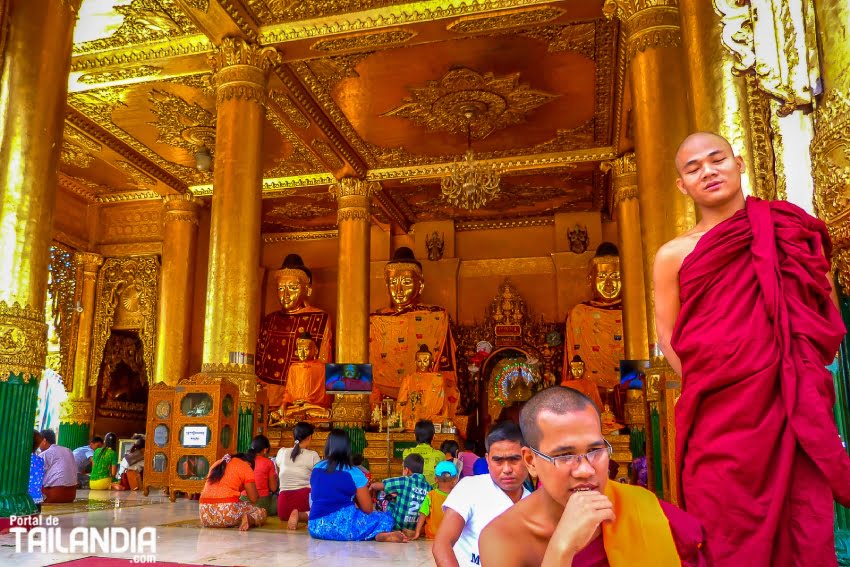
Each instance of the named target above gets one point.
<point>214,547</point>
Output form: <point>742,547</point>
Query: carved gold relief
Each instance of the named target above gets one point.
<point>136,223</point>
<point>649,24</point>
<point>76,411</point>
<point>296,211</point>
<point>364,40</point>
<point>288,107</point>
<point>63,295</point>
<point>304,235</point>
<point>579,37</point>
<point>240,69</point>
<point>300,161</point>
<point>23,341</point>
<point>138,176</point>
<point>327,153</point>
<point>74,135</point>
<point>123,74</point>
<point>126,298</point>
<point>497,102</point>
<point>512,19</point>
<point>144,21</point>
<point>182,124</point>
<point>72,154</point>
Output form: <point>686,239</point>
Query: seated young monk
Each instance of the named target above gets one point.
<point>578,518</point>
<point>746,314</point>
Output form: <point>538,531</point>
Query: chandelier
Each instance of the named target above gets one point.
<point>469,184</point>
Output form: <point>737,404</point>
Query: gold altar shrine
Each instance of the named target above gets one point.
<point>161,160</point>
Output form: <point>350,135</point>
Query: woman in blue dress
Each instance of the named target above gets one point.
<point>341,507</point>
<point>36,472</point>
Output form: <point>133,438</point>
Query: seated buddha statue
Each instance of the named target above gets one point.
<point>595,327</point>
<point>424,394</point>
<point>276,346</point>
<point>304,396</point>
<point>578,381</point>
<point>609,421</point>
<point>395,332</point>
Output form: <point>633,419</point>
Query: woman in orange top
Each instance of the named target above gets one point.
<point>220,506</point>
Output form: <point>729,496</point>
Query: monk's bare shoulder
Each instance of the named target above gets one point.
<point>504,541</point>
<point>670,256</point>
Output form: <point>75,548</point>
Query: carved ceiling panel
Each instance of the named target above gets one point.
<point>276,11</point>
<point>313,209</point>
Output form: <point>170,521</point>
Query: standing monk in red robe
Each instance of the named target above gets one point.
<point>746,314</point>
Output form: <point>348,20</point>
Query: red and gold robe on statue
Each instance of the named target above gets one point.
<point>306,382</point>
<point>596,335</point>
<point>438,397</point>
<point>394,339</point>
<point>276,346</point>
<point>757,448</point>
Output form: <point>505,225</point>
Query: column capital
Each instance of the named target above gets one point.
<point>90,262</point>
<point>181,207</point>
<point>241,69</point>
<point>623,177</point>
<point>23,348</point>
<point>648,24</point>
<point>354,198</point>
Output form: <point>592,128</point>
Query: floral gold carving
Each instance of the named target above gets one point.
<point>649,24</point>
<point>296,211</point>
<point>512,19</point>
<point>72,154</point>
<point>144,21</point>
<point>327,154</point>
<point>63,294</point>
<point>23,341</point>
<point>132,224</point>
<point>138,176</point>
<point>351,410</point>
<point>74,135</point>
<point>758,108</point>
<point>126,298</point>
<point>305,235</point>
<point>182,207</point>
<point>364,40</point>
<point>122,74</point>
<point>300,161</point>
<point>496,102</point>
<point>76,411</point>
<point>180,123</point>
<point>173,47</point>
<point>503,223</point>
<point>288,107</point>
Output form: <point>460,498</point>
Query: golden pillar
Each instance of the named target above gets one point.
<point>718,97</point>
<point>624,180</point>
<point>233,282</point>
<point>174,323</point>
<point>831,144</point>
<point>36,58</point>
<point>656,71</point>
<point>76,414</point>
<point>354,199</point>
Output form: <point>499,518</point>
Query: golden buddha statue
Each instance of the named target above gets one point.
<point>277,344</point>
<point>425,394</point>
<point>304,396</point>
<point>609,421</point>
<point>595,327</point>
<point>396,332</point>
<point>578,381</point>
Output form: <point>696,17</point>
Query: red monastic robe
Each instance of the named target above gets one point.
<point>757,449</point>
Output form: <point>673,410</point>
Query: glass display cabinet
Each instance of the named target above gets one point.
<point>158,436</point>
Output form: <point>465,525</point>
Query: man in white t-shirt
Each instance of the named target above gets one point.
<point>478,500</point>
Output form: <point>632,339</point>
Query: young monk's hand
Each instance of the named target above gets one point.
<point>581,519</point>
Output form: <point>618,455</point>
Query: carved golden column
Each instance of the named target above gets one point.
<point>76,414</point>
<point>656,68</point>
<point>354,201</point>
<point>174,323</point>
<point>831,143</point>
<point>718,97</point>
<point>233,282</point>
<point>624,179</point>
<point>36,58</point>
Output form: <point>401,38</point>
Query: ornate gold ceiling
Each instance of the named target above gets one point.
<point>371,88</point>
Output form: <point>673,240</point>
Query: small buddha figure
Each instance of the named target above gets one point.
<point>304,397</point>
<point>396,331</point>
<point>595,327</point>
<point>578,381</point>
<point>426,395</point>
<point>280,330</point>
<point>609,421</point>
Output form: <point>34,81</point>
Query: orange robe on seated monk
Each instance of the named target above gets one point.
<point>757,448</point>
<point>438,397</point>
<point>306,382</point>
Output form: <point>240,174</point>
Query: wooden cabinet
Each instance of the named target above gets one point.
<point>159,436</point>
<point>206,415</point>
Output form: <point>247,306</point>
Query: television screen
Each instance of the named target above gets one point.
<point>348,378</point>
<point>195,435</point>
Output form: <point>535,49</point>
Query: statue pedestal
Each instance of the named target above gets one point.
<point>351,410</point>
<point>635,409</point>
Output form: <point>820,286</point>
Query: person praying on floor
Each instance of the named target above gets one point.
<point>342,508</point>
<point>104,464</point>
<point>60,470</point>
<point>431,511</point>
<point>82,456</point>
<point>294,467</point>
<point>265,475</point>
<point>219,504</point>
<point>408,491</point>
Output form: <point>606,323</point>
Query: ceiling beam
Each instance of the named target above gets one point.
<point>218,19</point>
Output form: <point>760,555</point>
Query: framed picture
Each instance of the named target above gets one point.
<point>438,428</point>
<point>124,445</point>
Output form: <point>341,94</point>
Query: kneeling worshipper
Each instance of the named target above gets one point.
<point>219,504</point>
<point>342,508</point>
<point>104,464</point>
<point>60,470</point>
<point>577,517</point>
<point>294,466</point>
<point>265,475</point>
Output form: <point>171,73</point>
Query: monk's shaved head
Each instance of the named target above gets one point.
<point>698,141</point>
<point>555,399</point>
